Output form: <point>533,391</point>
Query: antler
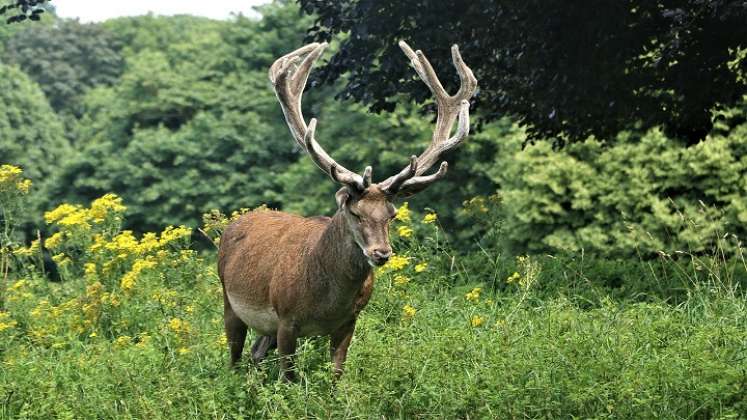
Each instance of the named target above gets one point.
<point>410,180</point>
<point>289,78</point>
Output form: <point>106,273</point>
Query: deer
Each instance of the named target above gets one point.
<point>286,276</point>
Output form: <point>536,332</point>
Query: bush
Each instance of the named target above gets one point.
<point>642,195</point>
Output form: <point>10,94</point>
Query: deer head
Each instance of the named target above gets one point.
<point>367,206</point>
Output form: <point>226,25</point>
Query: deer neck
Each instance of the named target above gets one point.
<point>336,258</point>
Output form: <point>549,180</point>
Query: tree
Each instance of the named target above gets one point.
<point>565,70</point>
<point>31,135</point>
<point>66,59</point>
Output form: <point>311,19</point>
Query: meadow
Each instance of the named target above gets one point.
<point>134,330</point>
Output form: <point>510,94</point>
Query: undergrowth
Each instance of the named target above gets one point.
<point>134,330</point>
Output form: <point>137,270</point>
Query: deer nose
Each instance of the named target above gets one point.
<point>381,255</point>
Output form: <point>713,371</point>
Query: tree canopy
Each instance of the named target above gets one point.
<point>565,70</point>
<point>66,59</point>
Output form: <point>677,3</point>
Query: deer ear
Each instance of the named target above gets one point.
<point>341,196</point>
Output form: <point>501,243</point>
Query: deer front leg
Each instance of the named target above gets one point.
<point>339,343</point>
<point>287,337</point>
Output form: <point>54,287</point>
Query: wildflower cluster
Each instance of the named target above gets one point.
<point>474,295</point>
<point>6,322</point>
<point>409,311</point>
<point>119,286</point>
<point>530,270</point>
<point>476,321</point>
<point>13,189</point>
<point>12,181</point>
<point>397,262</point>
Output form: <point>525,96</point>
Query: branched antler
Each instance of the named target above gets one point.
<point>450,108</point>
<point>289,78</point>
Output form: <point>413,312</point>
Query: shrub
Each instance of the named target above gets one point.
<point>642,195</point>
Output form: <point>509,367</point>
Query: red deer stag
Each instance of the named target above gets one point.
<point>287,276</point>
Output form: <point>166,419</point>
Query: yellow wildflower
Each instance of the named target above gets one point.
<point>12,181</point>
<point>430,218</point>
<point>222,340</point>
<point>474,295</point>
<point>61,259</point>
<point>24,186</point>
<point>18,285</point>
<point>6,321</point>
<point>98,243</point>
<point>513,278</point>
<point>93,334</point>
<point>102,206</point>
<point>408,311</point>
<point>421,267</point>
<point>476,321</point>
<point>178,325</point>
<point>129,279</point>
<point>172,234</point>
<point>60,212</point>
<point>90,269</point>
<point>124,243</point>
<point>9,172</point>
<point>23,252</point>
<point>182,351</point>
<point>397,262</point>
<point>404,231</point>
<point>148,243</point>
<point>401,280</point>
<point>79,217</point>
<point>123,341</point>
<point>403,213</point>
<point>54,241</point>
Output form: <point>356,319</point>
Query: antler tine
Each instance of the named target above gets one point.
<point>289,80</point>
<point>419,183</point>
<point>451,108</point>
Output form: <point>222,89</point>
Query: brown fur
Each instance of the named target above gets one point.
<point>311,272</point>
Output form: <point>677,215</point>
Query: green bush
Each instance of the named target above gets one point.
<point>641,195</point>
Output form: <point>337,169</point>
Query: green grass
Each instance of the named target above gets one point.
<point>539,353</point>
<point>134,330</point>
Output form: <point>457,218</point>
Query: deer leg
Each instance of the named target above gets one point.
<point>339,343</point>
<point>261,346</point>
<point>286,340</point>
<point>235,332</point>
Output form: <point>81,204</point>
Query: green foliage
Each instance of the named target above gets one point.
<point>642,195</point>
<point>564,70</point>
<point>185,130</point>
<point>31,134</point>
<point>66,60</point>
